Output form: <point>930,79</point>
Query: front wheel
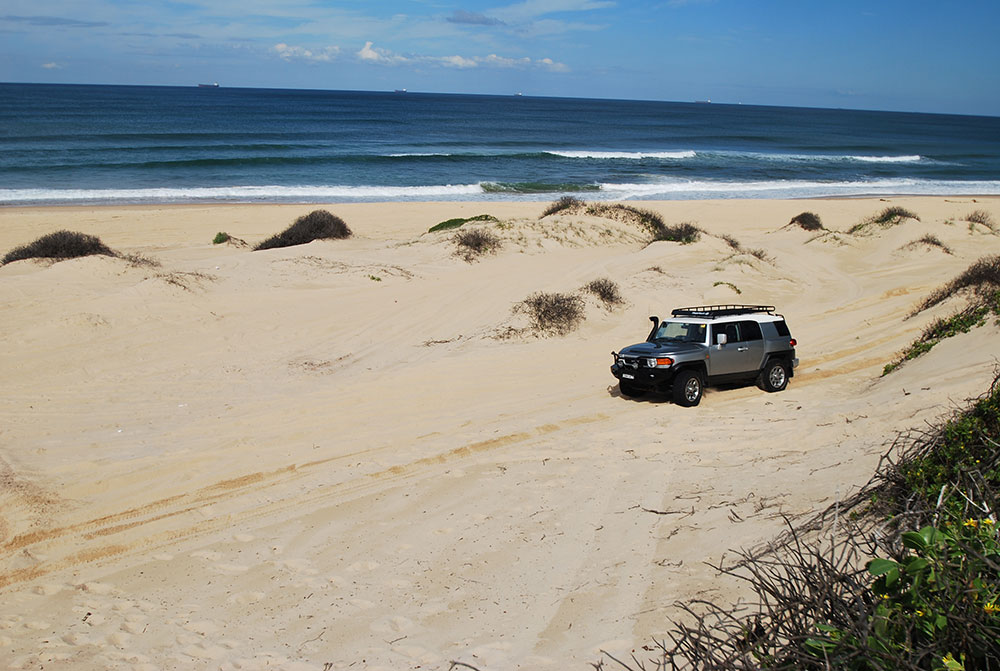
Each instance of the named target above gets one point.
<point>774,376</point>
<point>687,388</point>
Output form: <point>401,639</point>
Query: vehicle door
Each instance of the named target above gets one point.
<point>752,341</point>
<point>729,358</point>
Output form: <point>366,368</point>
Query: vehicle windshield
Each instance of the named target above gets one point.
<point>681,331</point>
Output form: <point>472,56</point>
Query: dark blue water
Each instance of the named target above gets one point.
<point>67,144</point>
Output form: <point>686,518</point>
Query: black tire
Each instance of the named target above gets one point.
<point>774,376</point>
<point>629,389</point>
<point>687,388</point>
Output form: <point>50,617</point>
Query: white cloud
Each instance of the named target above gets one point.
<point>375,55</point>
<point>371,54</point>
<point>501,62</point>
<point>549,64</point>
<point>51,66</point>
<point>458,62</point>
<point>295,53</point>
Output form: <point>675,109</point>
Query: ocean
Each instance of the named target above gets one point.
<point>69,144</point>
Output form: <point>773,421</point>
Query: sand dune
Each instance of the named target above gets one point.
<point>329,456</point>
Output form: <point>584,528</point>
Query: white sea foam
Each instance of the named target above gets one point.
<point>238,193</point>
<point>671,189</point>
<point>665,188</point>
<point>633,155</point>
<point>887,159</point>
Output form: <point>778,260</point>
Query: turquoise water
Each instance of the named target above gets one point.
<point>86,144</point>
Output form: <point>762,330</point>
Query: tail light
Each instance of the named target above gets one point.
<point>792,342</point>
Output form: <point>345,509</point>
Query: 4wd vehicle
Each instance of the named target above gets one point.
<point>708,344</point>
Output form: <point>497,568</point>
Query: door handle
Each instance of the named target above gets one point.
<point>742,349</point>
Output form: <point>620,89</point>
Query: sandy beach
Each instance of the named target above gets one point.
<point>347,454</point>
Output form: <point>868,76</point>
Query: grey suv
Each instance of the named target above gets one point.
<point>708,344</point>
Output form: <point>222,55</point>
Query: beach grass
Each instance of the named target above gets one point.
<point>981,281</point>
<point>606,290</point>
<point>890,216</point>
<point>552,313</point>
<point>563,204</point>
<point>929,240</point>
<point>475,242</point>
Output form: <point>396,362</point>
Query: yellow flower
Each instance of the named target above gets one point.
<point>988,521</point>
<point>920,613</point>
<point>971,523</point>
<point>991,607</point>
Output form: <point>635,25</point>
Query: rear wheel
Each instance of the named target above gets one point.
<point>687,388</point>
<point>774,376</point>
<point>629,389</point>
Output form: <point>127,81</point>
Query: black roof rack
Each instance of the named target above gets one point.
<point>713,311</point>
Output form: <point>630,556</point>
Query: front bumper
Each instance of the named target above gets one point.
<point>653,379</point>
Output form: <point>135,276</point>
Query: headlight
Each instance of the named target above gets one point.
<point>660,362</point>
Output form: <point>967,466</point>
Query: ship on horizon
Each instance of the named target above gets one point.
<point>213,85</point>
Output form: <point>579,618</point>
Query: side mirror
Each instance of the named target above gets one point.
<point>721,339</point>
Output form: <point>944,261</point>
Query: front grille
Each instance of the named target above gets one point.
<point>632,362</point>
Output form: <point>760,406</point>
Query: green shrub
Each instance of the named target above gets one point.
<point>220,237</point>
<point>474,242</point>
<point>59,245</point>
<point>317,225</point>
<point>459,221</point>
<point>552,312</point>
<point>808,221</point>
<point>606,290</point>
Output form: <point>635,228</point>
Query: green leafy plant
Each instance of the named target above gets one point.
<point>459,221</point>
<point>909,577</point>
<point>220,238</point>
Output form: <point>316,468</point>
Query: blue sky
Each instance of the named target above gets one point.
<point>894,55</point>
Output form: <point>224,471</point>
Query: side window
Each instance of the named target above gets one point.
<point>750,330</point>
<point>782,328</point>
<point>732,334</point>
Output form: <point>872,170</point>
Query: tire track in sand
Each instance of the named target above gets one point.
<point>106,537</point>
